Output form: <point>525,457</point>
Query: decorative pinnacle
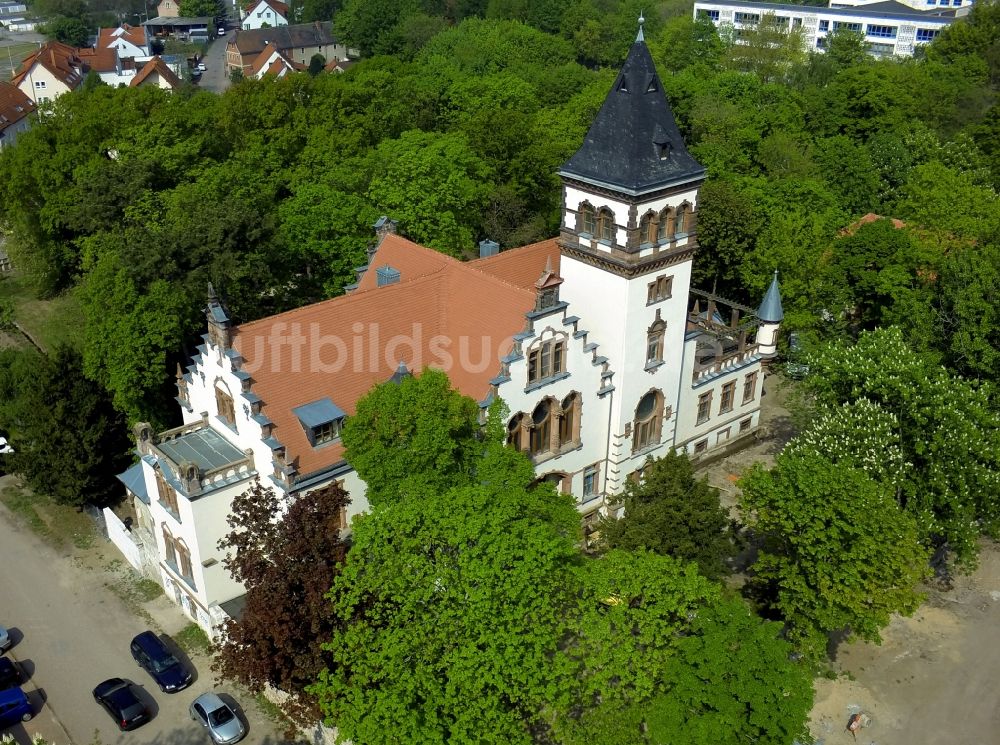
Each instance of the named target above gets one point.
<point>642,20</point>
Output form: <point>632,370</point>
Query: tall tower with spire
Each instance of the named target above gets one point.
<point>627,239</point>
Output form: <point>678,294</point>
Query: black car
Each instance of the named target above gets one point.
<point>121,702</point>
<point>10,674</point>
<point>156,659</point>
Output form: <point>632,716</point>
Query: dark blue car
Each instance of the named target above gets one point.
<point>156,659</point>
<point>14,708</point>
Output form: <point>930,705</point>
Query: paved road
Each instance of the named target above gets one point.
<point>70,634</point>
<point>216,77</point>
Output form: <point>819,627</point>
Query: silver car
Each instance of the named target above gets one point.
<point>215,715</point>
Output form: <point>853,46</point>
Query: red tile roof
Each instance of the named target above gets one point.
<point>443,313</point>
<point>14,105</point>
<point>106,37</point>
<point>156,65</point>
<point>273,68</point>
<point>104,60</point>
<point>62,60</point>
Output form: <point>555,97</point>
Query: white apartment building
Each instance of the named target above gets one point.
<point>890,28</point>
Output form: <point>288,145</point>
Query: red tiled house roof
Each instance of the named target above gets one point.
<point>156,65</point>
<point>14,105</point>
<point>62,60</point>
<point>106,37</point>
<point>471,311</point>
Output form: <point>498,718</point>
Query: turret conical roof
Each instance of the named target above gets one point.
<point>770,310</point>
<point>634,144</point>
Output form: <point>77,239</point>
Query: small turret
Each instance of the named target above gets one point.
<point>770,314</point>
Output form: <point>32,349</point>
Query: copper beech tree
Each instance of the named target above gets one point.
<point>287,554</point>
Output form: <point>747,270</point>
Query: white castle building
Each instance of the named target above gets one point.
<point>594,340</point>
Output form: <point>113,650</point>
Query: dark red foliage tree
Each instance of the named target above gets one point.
<point>286,553</point>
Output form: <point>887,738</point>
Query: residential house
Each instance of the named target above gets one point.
<point>48,72</point>
<point>339,65</point>
<point>127,41</point>
<point>108,66</point>
<point>15,113</point>
<point>890,28</point>
<point>594,339</point>
<point>168,9</point>
<point>273,62</point>
<point>156,73</point>
<point>298,43</point>
<point>264,14</point>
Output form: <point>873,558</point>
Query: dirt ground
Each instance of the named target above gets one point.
<point>932,681</point>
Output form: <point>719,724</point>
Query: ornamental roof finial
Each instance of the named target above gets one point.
<point>640,36</point>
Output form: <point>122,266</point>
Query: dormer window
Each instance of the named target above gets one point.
<point>321,421</point>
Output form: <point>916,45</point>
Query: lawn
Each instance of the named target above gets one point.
<point>47,322</point>
<point>59,525</point>
<point>11,56</point>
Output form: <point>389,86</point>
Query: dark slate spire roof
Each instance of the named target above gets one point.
<point>634,144</point>
<point>770,310</point>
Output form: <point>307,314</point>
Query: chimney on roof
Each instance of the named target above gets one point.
<point>386,275</point>
<point>488,248</point>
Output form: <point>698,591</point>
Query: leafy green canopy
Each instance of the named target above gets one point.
<point>671,512</point>
<point>467,612</point>
<point>948,435</point>
<point>826,527</point>
<point>69,441</point>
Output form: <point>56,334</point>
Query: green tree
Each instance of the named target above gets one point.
<point>316,64</point>
<point>463,596</point>
<point>734,679</point>
<point>826,529</point>
<point>434,184</point>
<point>68,30</point>
<point>202,8</point>
<point>769,49</point>
<point>673,513</point>
<point>287,558</point>
<point>949,434</point>
<point>413,436</point>
<point>70,441</point>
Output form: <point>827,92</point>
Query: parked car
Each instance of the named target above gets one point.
<point>156,659</point>
<point>5,640</point>
<point>10,674</point>
<point>201,67</point>
<point>119,699</point>
<point>216,716</point>
<point>5,447</point>
<point>14,708</point>
<point>222,30</point>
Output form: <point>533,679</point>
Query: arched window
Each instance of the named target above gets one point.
<point>654,340</point>
<point>683,215</point>
<point>665,225</point>
<point>606,225</point>
<point>648,228</point>
<point>588,219</point>
<point>224,404</point>
<point>648,421</point>
<point>569,422</point>
<point>541,428</point>
<point>515,432</point>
